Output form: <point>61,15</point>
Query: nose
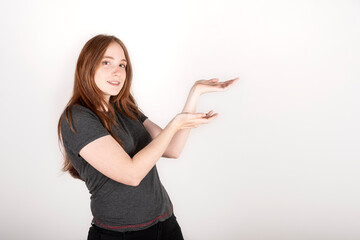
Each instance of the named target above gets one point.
<point>117,71</point>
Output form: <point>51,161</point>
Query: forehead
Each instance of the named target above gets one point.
<point>115,50</point>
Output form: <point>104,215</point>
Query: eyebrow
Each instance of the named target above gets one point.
<point>113,58</point>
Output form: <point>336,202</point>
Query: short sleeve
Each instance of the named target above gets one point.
<point>87,126</point>
<point>142,117</point>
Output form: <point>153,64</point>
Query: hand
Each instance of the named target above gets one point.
<point>213,85</point>
<point>192,120</point>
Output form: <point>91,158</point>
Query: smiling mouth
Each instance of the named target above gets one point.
<point>114,83</point>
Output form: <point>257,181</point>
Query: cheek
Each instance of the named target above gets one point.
<point>96,80</point>
<point>99,75</point>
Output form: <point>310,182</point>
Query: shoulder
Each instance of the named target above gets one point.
<point>77,115</point>
<point>80,111</point>
<point>77,112</point>
<point>79,126</point>
<point>142,117</point>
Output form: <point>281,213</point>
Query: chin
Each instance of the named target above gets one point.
<point>114,94</point>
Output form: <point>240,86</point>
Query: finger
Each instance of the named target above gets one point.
<point>214,116</point>
<point>200,115</point>
<point>213,80</point>
<point>232,81</point>
<point>197,122</point>
<point>211,117</point>
<point>228,81</point>
<point>227,84</point>
<point>209,113</point>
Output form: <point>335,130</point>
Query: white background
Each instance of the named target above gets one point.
<point>280,162</point>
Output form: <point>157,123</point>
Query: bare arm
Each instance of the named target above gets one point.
<point>178,141</point>
<point>200,87</point>
<point>108,157</point>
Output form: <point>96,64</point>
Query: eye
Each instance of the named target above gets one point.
<point>105,63</point>
<point>122,65</point>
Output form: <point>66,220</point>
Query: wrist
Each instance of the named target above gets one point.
<point>195,90</point>
<point>172,126</point>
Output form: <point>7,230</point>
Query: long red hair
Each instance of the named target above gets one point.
<point>87,94</point>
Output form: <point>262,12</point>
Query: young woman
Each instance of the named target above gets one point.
<point>113,147</point>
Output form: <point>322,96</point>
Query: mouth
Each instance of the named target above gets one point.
<point>114,83</point>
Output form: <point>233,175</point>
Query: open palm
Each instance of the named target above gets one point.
<point>213,85</point>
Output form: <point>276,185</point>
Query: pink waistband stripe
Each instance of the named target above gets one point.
<point>133,226</point>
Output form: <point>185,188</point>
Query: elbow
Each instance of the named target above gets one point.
<point>130,174</point>
<point>134,175</point>
<point>135,180</point>
<point>176,155</point>
<point>173,155</point>
<point>132,182</point>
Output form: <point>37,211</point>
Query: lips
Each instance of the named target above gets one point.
<point>114,83</point>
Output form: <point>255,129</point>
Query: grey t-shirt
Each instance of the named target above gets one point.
<point>116,206</point>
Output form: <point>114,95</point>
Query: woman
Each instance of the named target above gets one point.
<point>113,147</point>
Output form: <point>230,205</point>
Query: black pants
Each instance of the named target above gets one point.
<point>167,230</point>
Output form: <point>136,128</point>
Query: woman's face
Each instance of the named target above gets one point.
<point>111,73</point>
